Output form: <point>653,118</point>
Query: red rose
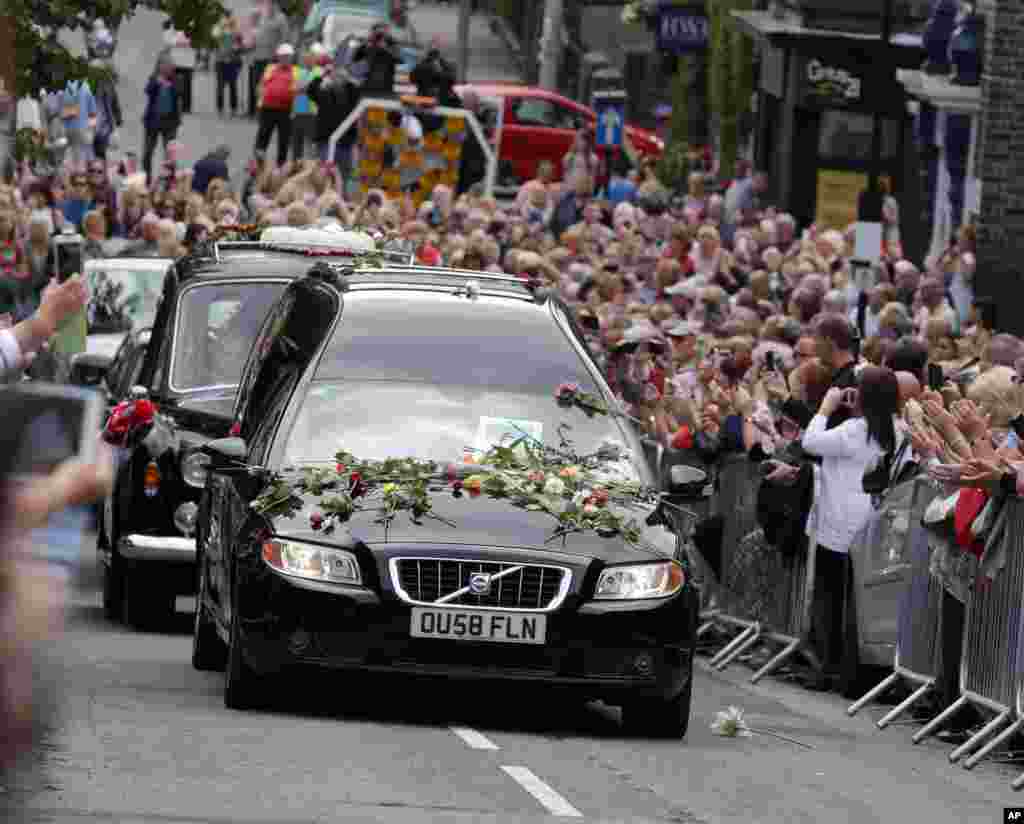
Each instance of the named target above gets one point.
<point>599,497</point>
<point>143,412</point>
<point>683,439</point>
<point>235,430</point>
<point>341,469</point>
<point>316,521</point>
<point>356,486</point>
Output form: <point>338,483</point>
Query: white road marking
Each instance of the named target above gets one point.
<point>474,739</point>
<point>551,800</point>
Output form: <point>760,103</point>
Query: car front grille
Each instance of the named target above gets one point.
<point>523,586</point>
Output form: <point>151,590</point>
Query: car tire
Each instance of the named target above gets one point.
<point>209,652</point>
<point>113,592</point>
<point>242,687</point>
<point>660,718</point>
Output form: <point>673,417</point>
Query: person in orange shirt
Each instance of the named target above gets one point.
<point>278,89</point>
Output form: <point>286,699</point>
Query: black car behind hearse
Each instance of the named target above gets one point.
<point>418,363</point>
<point>181,394</point>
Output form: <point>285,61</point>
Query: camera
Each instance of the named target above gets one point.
<point>68,253</point>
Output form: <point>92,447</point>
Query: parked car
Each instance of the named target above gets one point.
<point>536,124</point>
<point>392,363</point>
<point>209,314</point>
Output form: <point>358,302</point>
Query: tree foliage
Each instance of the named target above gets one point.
<point>43,62</point>
<point>674,166</point>
<point>730,78</point>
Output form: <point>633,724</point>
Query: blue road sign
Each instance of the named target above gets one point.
<point>611,120</point>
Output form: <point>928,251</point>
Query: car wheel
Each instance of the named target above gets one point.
<point>209,653</point>
<point>113,591</point>
<point>145,606</point>
<point>660,718</point>
<point>242,687</point>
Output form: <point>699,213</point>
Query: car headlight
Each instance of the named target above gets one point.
<point>193,469</point>
<point>623,583</point>
<point>317,563</point>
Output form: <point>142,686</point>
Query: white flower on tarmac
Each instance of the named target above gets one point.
<point>554,486</point>
<point>729,723</point>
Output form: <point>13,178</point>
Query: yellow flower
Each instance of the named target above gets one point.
<point>388,488</point>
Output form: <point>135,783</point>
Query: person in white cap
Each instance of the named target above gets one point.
<point>304,109</point>
<point>278,88</point>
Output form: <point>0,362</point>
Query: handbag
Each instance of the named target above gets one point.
<point>876,481</point>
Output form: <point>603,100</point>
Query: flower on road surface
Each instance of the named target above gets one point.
<point>730,724</point>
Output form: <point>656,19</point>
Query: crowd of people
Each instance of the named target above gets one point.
<point>721,325</point>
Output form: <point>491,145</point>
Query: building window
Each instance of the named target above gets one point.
<point>846,136</point>
<point>535,111</point>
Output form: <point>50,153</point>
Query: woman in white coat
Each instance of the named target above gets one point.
<point>842,507</point>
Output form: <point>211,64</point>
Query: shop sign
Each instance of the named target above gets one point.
<point>682,29</point>
<point>826,85</point>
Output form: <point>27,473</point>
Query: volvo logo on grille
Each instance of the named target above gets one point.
<point>480,583</point>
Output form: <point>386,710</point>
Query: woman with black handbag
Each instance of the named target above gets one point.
<point>848,452</point>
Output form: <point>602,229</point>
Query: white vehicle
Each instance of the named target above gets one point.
<point>124,294</point>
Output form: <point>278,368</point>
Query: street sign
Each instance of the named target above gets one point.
<point>682,29</point>
<point>610,108</point>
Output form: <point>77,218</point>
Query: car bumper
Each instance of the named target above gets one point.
<point>158,549</point>
<point>647,652</point>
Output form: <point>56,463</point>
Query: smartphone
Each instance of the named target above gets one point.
<point>936,379</point>
<point>68,254</point>
<point>44,426</point>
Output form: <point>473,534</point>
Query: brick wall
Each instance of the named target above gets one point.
<point>1001,161</point>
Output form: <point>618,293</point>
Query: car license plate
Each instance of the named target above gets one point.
<point>479,625</point>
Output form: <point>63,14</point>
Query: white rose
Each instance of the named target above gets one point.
<point>554,486</point>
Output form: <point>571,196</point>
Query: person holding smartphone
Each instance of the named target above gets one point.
<point>33,591</point>
<point>20,343</point>
<point>847,452</point>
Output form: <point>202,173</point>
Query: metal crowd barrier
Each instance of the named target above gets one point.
<point>991,661</point>
<point>763,594</point>
<point>919,616</point>
<point>774,606</point>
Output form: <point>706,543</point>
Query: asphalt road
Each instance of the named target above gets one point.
<point>139,41</point>
<point>146,740</point>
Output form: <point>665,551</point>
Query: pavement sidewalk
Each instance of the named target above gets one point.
<point>892,745</point>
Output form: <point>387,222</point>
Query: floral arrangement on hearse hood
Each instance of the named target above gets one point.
<point>592,492</point>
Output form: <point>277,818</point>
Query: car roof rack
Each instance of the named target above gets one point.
<point>533,289</point>
<point>298,248</point>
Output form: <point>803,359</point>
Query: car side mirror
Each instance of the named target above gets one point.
<point>225,452</point>
<point>90,370</point>
<point>654,451</point>
<point>687,480</point>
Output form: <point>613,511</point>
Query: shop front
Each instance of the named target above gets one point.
<point>819,95</point>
